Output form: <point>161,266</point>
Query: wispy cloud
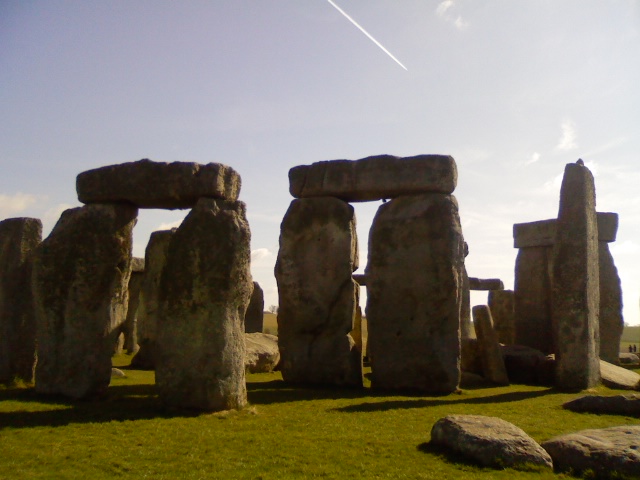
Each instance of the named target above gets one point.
<point>535,156</point>
<point>16,203</point>
<point>446,11</point>
<point>262,257</point>
<point>568,136</point>
<point>169,225</point>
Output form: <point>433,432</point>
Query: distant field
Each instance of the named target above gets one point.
<point>270,324</point>
<point>630,336</point>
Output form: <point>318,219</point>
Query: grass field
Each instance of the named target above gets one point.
<point>286,432</point>
<point>630,336</point>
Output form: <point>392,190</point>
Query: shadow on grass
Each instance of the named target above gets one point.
<point>435,402</point>
<point>121,403</point>
<point>278,391</point>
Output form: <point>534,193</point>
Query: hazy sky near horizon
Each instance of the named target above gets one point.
<point>512,90</point>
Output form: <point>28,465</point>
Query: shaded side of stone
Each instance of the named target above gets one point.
<point>204,293</point>
<point>611,320</point>
<point>254,318</point>
<point>532,297</point>
<point>80,279</point>
<point>527,365</point>
<point>19,237</point>
<point>149,184</point>
<point>374,178</point>
<point>575,299</point>
<point>317,295</point>
<point>489,441</point>
<point>628,405</point>
<point>606,453</point>
<point>466,330</point>
<point>493,367</point>
<point>502,306</point>
<point>130,325</point>
<point>414,294</point>
<point>149,304</point>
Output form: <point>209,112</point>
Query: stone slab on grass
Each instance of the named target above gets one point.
<point>618,377</point>
<point>608,404</point>
<point>608,452</point>
<point>149,184</point>
<point>489,441</point>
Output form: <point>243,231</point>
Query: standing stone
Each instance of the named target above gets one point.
<point>254,318</point>
<point>414,294</point>
<point>493,367</point>
<point>130,326</point>
<point>611,319</point>
<point>80,278</point>
<point>18,239</point>
<point>204,294</point>
<point>501,303</point>
<point>155,259</point>
<point>465,307</point>
<point>532,295</point>
<point>575,285</point>
<point>317,295</point>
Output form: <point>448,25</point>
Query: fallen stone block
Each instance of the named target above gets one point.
<point>489,441</point>
<point>613,404</point>
<point>618,377</point>
<point>261,352</point>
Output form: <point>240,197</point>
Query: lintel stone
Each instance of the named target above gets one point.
<point>485,284</point>
<point>149,184</point>
<point>542,233</point>
<point>374,178</point>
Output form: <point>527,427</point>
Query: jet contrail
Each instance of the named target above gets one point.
<point>366,33</point>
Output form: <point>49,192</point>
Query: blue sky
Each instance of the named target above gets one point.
<point>513,90</point>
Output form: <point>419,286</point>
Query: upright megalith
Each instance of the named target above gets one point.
<point>149,184</point>
<point>611,320</point>
<point>130,325</point>
<point>204,293</point>
<point>501,304</point>
<point>317,295</point>
<point>155,259</point>
<point>80,279</point>
<point>414,293</point>
<point>575,300</point>
<point>254,318</point>
<point>493,367</point>
<point>18,239</point>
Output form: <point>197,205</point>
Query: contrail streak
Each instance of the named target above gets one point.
<point>366,33</point>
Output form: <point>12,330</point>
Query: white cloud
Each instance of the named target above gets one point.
<point>628,247</point>
<point>568,137</point>
<point>262,257</point>
<point>16,203</point>
<point>444,11</point>
<point>534,158</point>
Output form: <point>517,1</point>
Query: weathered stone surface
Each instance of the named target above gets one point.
<point>414,294</point>
<point>527,365</point>
<point>261,352</point>
<point>317,295</point>
<point>489,441</point>
<point>149,184</point>
<point>619,377</point>
<point>80,279</point>
<point>493,368</point>
<point>608,452</point>
<point>575,299</point>
<point>502,306</point>
<point>532,295</point>
<point>466,330</point>
<point>610,317</point>
<point>543,232</point>
<point>130,326</point>
<point>485,284</point>
<point>18,239</point>
<point>254,318</point>
<point>374,178</point>
<point>155,258</point>
<point>628,405</point>
<point>204,294</point>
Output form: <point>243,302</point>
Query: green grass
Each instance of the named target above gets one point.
<point>286,432</point>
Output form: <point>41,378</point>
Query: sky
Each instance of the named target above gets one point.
<point>512,90</point>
